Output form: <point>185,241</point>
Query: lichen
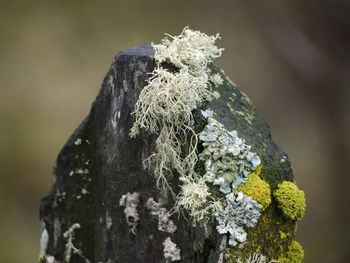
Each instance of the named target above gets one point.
<point>171,251</point>
<point>219,173</point>
<point>44,240</point>
<point>196,198</point>
<point>254,258</point>
<point>264,237</point>
<point>257,189</point>
<point>165,105</point>
<point>130,202</point>
<point>70,248</point>
<point>294,254</point>
<point>191,50</point>
<point>216,79</point>
<point>165,223</point>
<point>207,113</point>
<point>228,160</point>
<point>291,200</point>
<point>241,210</point>
<point>77,141</point>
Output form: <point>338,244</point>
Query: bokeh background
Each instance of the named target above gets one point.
<point>291,57</point>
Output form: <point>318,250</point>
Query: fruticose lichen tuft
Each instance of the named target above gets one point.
<point>257,189</point>
<point>291,200</point>
<point>191,50</point>
<point>70,248</point>
<point>241,210</point>
<point>295,254</point>
<point>216,79</point>
<point>165,105</point>
<point>196,198</point>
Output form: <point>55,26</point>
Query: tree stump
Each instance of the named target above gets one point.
<point>105,205</point>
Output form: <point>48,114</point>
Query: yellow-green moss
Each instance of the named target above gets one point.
<point>283,235</point>
<point>257,188</point>
<point>291,200</point>
<point>265,237</point>
<point>295,253</point>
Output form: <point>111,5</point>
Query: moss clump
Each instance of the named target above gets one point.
<point>295,254</point>
<point>270,223</point>
<point>291,200</point>
<point>257,188</point>
<point>283,235</point>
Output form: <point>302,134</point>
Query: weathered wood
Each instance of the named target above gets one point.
<point>100,163</point>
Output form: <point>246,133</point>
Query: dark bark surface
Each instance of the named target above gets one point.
<point>100,163</point>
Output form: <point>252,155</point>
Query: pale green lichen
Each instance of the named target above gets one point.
<point>291,200</point>
<point>228,160</point>
<point>196,198</point>
<point>165,105</point>
<point>240,210</point>
<point>216,79</point>
<point>257,189</point>
<point>294,254</point>
<point>191,50</point>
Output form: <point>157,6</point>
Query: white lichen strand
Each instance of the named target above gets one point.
<point>197,200</point>
<point>165,105</point>
<point>256,257</point>
<point>191,50</point>
<point>241,210</point>
<point>44,239</point>
<point>165,223</point>
<point>70,248</point>
<point>130,202</point>
<point>171,251</point>
<point>228,160</point>
<point>216,79</point>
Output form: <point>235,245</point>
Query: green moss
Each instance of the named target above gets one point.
<point>271,172</point>
<point>295,253</point>
<point>291,200</point>
<point>257,188</point>
<point>283,235</point>
<point>265,237</point>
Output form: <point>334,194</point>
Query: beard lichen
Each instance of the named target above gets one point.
<point>195,197</point>
<point>165,105</point>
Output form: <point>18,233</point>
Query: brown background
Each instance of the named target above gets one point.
<point>291,57</point>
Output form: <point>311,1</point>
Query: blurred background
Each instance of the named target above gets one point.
<point>291,57</point>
